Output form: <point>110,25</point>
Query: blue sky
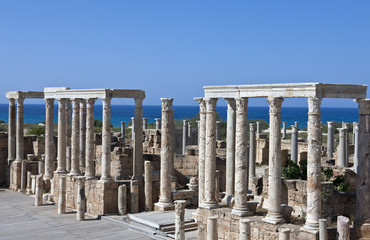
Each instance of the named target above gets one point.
<point>173,48</point>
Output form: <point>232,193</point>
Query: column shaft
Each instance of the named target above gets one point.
<point>19,131</point>
<point>75,139</point>
<point>330,140</point>
<point>49,139</point>
<point>138,148</point>
<point>294,144</point>
<point>230,148</point>
<point>284,130</point>
<point>69,135</point>
<point>342,148</point>
<point>90,147</point>
<point>252,151</point>
<point>11,131</point>
<point>184,136</point>
<point>62,138</point>
<point>132,128</point>
<point>106,141</point>
<point>356,143</point>
<point>82,132</point>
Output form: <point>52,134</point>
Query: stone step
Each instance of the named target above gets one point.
<point>187,225</point>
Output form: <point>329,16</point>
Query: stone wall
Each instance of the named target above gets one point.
<point>4,168</point>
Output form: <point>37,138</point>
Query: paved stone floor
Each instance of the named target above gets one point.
<point>19,219</point>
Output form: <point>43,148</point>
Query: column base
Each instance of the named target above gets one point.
<point>74,174</point>
<point>274,219</point>
<point>60,172</point>
<point>311,227</point>
<point>242,212</point>
<point>105,180</point>
<point>90,177</point>
<point>162,207</point>
<point>209,205</point>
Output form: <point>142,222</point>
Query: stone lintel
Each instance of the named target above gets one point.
<point>26,94</point>
<point>93,93</point>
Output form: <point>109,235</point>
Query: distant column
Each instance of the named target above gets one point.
<point>75,148</point>
<point>49,139</point>
<point>190,140</point>
<point>69,135</point>
<point>356,143</point>
<point>252,151</point>
<point>132,128</point>
<point>106,141</point>
<point>11,131</point>
<point>284,130</point>
<point>184,136</point>
<point>330,140</point>
<point>342,148</point>
<point>90,147</point>
<point>138,163</point>
<point>148,186</point>
<point>19,131</point>
<point>123,128</point>
<point>157,123</point>
<point>353,132</point>
<point>294,144</point>
<point>82,132</point>
<point>62,138</point>
<point>218,135</point>
<point>296,124</point>
<point>346,143</point>
<point>258,131</point>
<point>145,123</point>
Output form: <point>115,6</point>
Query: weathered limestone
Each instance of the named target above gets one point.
<point>82,132</point>
<point>69,135</point>
<point>230,150</point>
<point>106,142</point>
<point>210,155</point>
<point>23,175</point>
<point>145,123</point>
<point>218,135</point>
<point>342,148</point>
<point>217,186</point>
<point>184,136</point>
<point>138,163</point>
<point>241,160</point>
<point>41,167</point>
<point>343,231</point>
<point>294,144</point>
<point>274,214</point>
<point>11,131</point>
<point>134,190</point>
<point>172,144</point>
<point>244,229</point>
<point>313,164</point>
<point>148,186</point>
<point>75,143</point>
<point>330,140</point>
<point>62,195</point>
<point>165,198</point>
<point>39,190</point>
<point>212,233</point>
<point>157,123</point>
<point>284,234</point>
<point>123,128</point>
<point>252,151</point>
<point>132,128</point>
<point>29,182</point>
<point>122,199</point>
<point>90,147</point>
<point>62,138</point>
<point>323,231</point>
<point>81,198</point>
<point>284,130</point>
<point>19,131</point>
<point>49,139</point>
<point>202,148</point>
<point>356,143</point>
<point>179,219</point>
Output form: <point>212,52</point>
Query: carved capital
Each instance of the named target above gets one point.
<point>49,103</point>
<point>90,102</point>
<point>166,104</point>
<point>275,104</point>
<point>202,104</point>
<point>342,132</point>
<point>231,105</point>
<point>106,102</point>
<point>314,105</point>
<point>20,101</point>
<point>241,104</point>
<point>330,124</point>
<point>76,103</point>
<point>11,102</point>
<point>363,106</point>
<point>82,103</point>
<point>211,104</point>
<point>61,103</point>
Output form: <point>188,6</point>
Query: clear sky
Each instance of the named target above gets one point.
<point>173,48</point>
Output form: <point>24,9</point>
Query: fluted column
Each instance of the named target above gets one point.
<point>294,144</point>
<point>330,140</point>
<point>90,147</point>
<point>230,149</point>
<point>82,132</point>
<point>210,155</point>
<point>49,139</point>
<point>106,142</point>
<point>138,145</point>
<point>11,131</point>
<point>165,198</point>
<point>202,148</point>
<point>19,131</point>
<point>75,139</point>
<point>62,138</point>
<point>356,143</point>
<point>313,164</point>
<point>274,214</point>
<point>241,159</point>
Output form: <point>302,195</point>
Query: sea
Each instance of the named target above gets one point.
<point>35,113</point>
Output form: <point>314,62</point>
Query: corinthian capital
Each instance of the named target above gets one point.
<point>275,104</point>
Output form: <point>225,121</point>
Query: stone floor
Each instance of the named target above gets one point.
<point>21,220</point>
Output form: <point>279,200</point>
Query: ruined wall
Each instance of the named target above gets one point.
<point>4,168</point>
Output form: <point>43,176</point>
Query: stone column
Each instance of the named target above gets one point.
<point>29,182</point>
<point>210,155</point>
<point>41,167</point>
<point>201,147</point>
<point>212,233</point>
<point>19,131</point>
<point>356,143</point>
<point>69,135</point>
<point>184,136</point>
<point>244,229</point>
<point>165,198</point>
<point>217,187</point>
<point>342,148</point>
<point>190,141</point>
<point>122,200</point>
<point>274,214</point>
<point>230,150</point>
<point>23,176</point>
<point>62,195</point>
<point>294,144</point>
<point>145,123</point>
<point>106,142</point>
<point>39,190</point>
<point>284,130</point>
<point>296,125</point>
<point>134,190</point>
<point>241,160</point>
<point>148,186</point>
<point>353,132</point>
<point>252,151</point>
<point>173,144</point>
<point>180,219</point>
<point>138,162</point>
<point>330,140</point>
<point>343,231</point>
<point>62,138</point>
<point>49,139</point>
<point>81,198</point>
<point>284,234</point>
<point>90,146</point>
<point>132,128</point>
<point>157,123</point>
<point>362,219</point>
<point>218,135</point>
<point>313,164</point>
<point>82,132</point>
<point>323,232</point>
<point>11,131</point>
<point>123,127</point>
<point>75,148</point>
<point>68,158</point>
<point>346,143</point>
<point>258,127</point>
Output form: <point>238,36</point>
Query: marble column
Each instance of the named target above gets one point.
<point>362,218</point>
<point>343,231</point>
<point>323,231</point>
<point>81,198</point>
<point>356,143</point>
<point>132,128</point>
<point>106,142</point>
<point>69,135</point>
<point>342,148</point>
<point>11,131</point>
<point>284,234</point>
<point>148,186</point>
<point>346,143</point>
<point>145,123</point>
<point>230,150</point>
<point>123,128</point>
<point>258,127</point>
<point>190,140</point>
<point>23,176</point>
<point>284,130</point>
<point>82,132</point>
<point>90,146</point>
<point>274,214</point>
<point>157,123</point>
<point>241,160</point>
<point>212,230</point>
<point>218,135</point>
<point>173,144</point>
<point>202,148</point>
<point>49,139</point>
<point>210,155</point>
<point>294,144</point>
<point>252,151</point>
<point>39,190</point>
<point>296,124</point>
<point>19,131</point>
<point>184,136</point>
<point>313,164</point>
<point>122,199</point>
<point>353,132</point>
<point>62,195</point>
<point>62,138</point>
<point>330,140</point>
<point>180,219</point>
<point>75,139</point>
<point>165,199</point>
<point>244,229</point>
<point>138,163</point>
